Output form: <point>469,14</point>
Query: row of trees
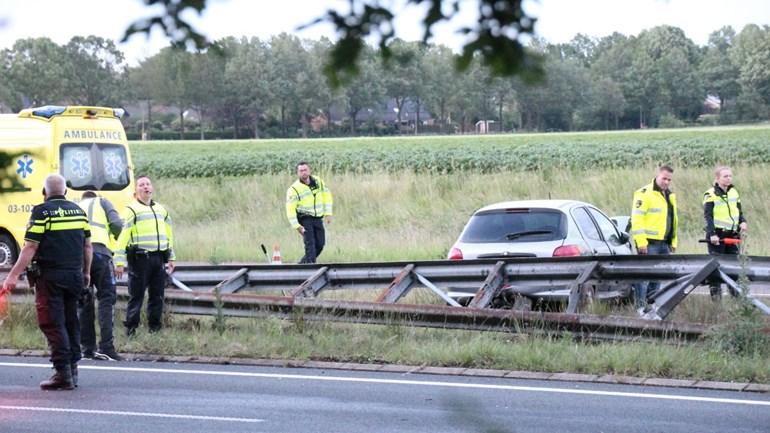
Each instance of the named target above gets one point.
<point>256,88</point>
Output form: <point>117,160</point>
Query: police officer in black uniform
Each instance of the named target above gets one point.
<point>58,246</point>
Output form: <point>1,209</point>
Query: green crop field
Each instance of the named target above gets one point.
<point>408,198</point>
<point>701,147</point>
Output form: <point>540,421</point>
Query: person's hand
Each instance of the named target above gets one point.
<point>744,227</point>
<point>714,239</point>
<point>328,219</point>
<point>86,279</point>
<point>301,231</point>
<point>119,271</point>
<point>170,267</point>
<point>641,250</point>
<point>9,283</point>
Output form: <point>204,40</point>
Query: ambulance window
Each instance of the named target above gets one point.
<point>76,166</point>
<point>95,166</point>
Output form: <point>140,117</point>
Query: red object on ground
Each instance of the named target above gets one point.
<point>3,303</point>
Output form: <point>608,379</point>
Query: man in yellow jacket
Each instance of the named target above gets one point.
<point>106,224</point>
<point>654,224</point>
<point>308,201</point>
<point>146,245</point>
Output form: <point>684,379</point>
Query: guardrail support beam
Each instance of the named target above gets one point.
<point>425,282</point>
<point>313,285</point>
<point>576,292</point>
<point>399,287</point>
<point>736,291</point>
<point>233,284</point>
<point>490,288</point>
<point>666,300</point>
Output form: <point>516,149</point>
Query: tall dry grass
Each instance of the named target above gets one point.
<point>407,216</point>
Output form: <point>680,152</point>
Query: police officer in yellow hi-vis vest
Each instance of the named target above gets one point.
<point>146,245</point>
<point>308,201</point>
<point>105,225</point>
<point>58,246</point>
<point>724,217</point>
<point>654,224</point>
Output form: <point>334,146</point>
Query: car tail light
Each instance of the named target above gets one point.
<point>455,254</point>
<point>567,251</point>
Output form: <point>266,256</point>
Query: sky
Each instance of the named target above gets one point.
<point>557,20</point>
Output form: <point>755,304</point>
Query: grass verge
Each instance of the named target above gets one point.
<point>304,340</point>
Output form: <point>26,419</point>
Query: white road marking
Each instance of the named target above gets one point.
<point>139,414</point>
<point>408,382</point>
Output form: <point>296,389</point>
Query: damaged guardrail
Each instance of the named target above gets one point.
<point>491,283</point>
<point>585,326</point>
<point>485,282</point>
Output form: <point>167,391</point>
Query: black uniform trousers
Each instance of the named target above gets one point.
<point>146,271</point>
<point>314,238</point>
<point>715,288</point>
<point>103,278</point>
<point>56,301</point>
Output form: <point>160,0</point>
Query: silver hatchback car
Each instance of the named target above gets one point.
<point>539,228</point>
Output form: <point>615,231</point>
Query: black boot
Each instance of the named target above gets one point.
<point>61,380</point>
<point>74,369</point>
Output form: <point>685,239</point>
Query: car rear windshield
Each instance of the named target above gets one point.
<point>516,225</point>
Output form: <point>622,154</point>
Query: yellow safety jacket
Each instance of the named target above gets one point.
<point>97,220</point>
<point>146,227</point>
<point>727,212</point>
<point>301,200</point>
<point>649,216</point>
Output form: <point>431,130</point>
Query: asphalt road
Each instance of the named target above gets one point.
<point>162,397</point>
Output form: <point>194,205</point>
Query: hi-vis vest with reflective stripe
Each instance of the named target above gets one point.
<point>302,200</point>
<point>97,219</point>
<point>649,215</point>
<point>146,228</point>
<point>726,212</point>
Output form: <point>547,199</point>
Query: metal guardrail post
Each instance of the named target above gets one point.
<point>576,289</point>
<point>666,300</point>
<point>235,283</point>
<point>313,285</point>
<point>399,287</point>
<point>491,287</point>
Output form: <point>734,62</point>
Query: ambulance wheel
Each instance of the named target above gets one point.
<point>8,253</point>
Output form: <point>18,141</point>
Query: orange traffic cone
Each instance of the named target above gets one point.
<point>276,255</point>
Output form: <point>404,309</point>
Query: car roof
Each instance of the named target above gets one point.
<point>548,204</point>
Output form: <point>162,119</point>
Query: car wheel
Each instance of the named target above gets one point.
<point>8,252</point>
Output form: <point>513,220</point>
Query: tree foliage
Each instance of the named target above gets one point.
<point>495,37</point>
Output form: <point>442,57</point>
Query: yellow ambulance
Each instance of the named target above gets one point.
<point>86,145</point>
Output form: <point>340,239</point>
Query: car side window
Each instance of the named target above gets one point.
<point>605,225</point>
<point>586,224</point>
